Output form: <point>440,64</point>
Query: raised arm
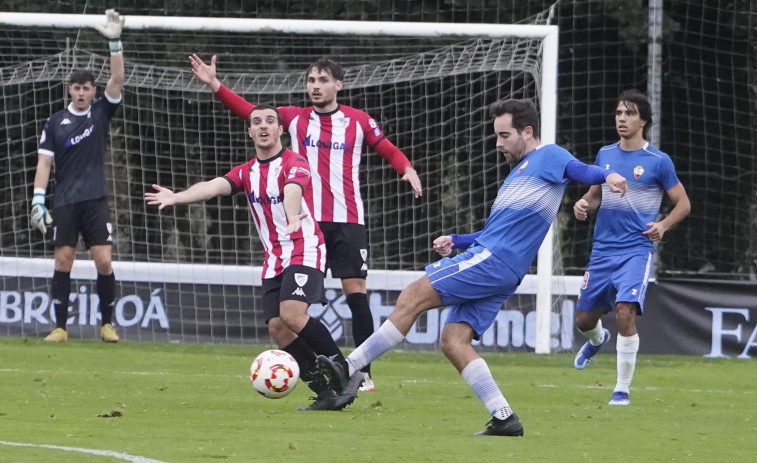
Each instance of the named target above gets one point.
<point>206,73</point>
<point>198,192</point>
<point>114,23</point>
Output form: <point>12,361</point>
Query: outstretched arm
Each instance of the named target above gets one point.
<point>594,175</point>
<point>681,208</point>
<point>206,73</point>
<point>114,24</point>
<point>198,192</point>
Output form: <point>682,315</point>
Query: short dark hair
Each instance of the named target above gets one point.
<point>328,65</point>
<point>261,107</point>
<point>643,107</point>
<point>523,111</point>
<point>81,76</point>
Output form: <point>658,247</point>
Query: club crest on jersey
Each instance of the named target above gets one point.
<point>638,171</point>
<point>523,166</point>
<point>301,279</point>
<point>344,121</point>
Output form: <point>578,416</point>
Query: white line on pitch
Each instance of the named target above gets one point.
<point>654,388</point>
<point>102,453</point>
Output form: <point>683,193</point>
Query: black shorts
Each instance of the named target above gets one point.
<point>346,249</point>
<point>295,283</point>
<point>88,218</point>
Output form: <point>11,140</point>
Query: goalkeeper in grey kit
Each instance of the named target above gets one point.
<point>74,139</point>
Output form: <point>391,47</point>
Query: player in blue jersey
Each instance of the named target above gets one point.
<point>475,283</point>
<point>74,138</point>
<point>624,235</point>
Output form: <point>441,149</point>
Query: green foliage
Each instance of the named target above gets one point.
<point>194,403</point>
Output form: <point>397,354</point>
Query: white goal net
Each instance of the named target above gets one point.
<point>189,273</point>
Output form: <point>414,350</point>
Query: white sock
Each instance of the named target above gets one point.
<point>480,379</point>
<point>627,347</point>
<point>596,335</point>
<point>386,337</point>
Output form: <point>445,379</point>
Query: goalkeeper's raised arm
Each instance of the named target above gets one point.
<point>114,24</point>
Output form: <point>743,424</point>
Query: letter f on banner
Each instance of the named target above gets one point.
<point>718,332</point>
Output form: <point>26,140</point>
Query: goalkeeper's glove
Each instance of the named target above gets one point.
<point>114,22</point>
<point>40,217</point>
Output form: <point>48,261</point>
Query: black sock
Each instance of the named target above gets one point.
<point>61,292</point>
<point>106,290</point>
<point>319,339</point>
<point>306,359</point>
<point>362,320</point>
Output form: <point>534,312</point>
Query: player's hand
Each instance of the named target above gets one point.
<point>205,73</point>
<point>443,245</point>
<point>40,217</point>
<point>114,23</point>
<point>411,176</point>
<point>164,197</point>
<point>617,183</point>
<point>580,209</point>
<point>295,223</point>
<point>656,231</point>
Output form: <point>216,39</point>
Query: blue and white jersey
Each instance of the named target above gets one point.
<point>525,206</point>
<point>620,221</point>
<point>76,141</point>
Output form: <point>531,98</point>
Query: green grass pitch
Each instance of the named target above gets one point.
<point>194,403</point>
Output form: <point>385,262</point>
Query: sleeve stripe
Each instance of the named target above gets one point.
<point>45,152</point>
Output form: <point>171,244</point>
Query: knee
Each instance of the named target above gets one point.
<point>280,333</point>
<point>585,320</point>
<point>448,344</point>
<point>276,327</point>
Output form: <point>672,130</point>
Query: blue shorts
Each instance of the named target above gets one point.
<point>612,279</point>
<point>474,284</point>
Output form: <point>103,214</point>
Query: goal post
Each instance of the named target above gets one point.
<point>469,67</point>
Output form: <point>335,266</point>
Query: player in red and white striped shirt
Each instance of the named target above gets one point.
<point>277,182</point>
<point>333,137</point>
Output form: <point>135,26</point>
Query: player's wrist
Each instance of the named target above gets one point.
<point>115,46</point>
<point>39,196</point>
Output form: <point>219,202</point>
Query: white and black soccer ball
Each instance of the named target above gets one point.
<point>274,373</point>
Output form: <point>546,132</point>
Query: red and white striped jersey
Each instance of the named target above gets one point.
<point>334,143</point>
<point>263,182</point>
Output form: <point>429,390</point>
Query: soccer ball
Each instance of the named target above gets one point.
<point>274,373</point>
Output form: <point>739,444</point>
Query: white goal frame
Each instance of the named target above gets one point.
<point>547,97</point>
